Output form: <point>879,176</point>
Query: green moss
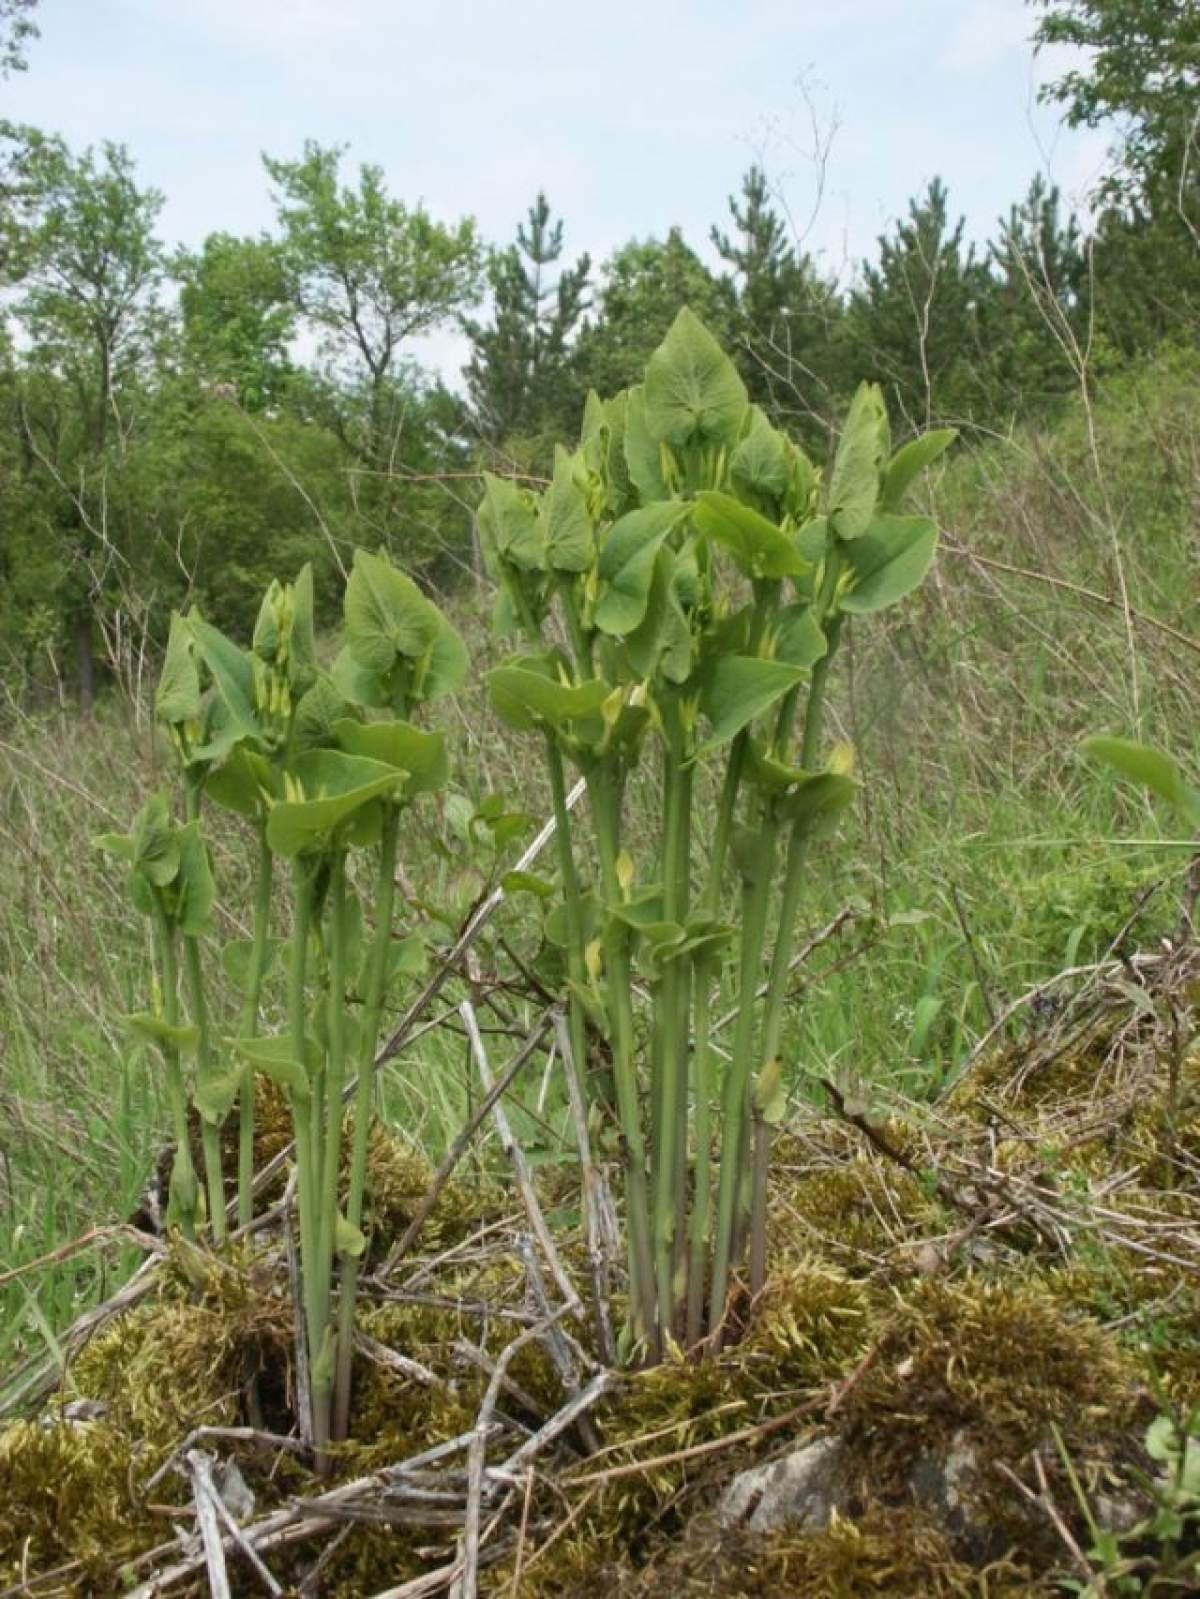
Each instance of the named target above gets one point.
<point>897,1553</point>
<point>994,1368</point>
<point>65,1497</point>
<point>855,1210</point>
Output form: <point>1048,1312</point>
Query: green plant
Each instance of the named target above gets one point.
<point>1158,1553</point>
<point>267,734</point>
<point>1151,768</point>
<point>702,576</point>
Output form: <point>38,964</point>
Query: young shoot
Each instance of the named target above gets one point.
<point>323,766</point>
<point>701,572</point>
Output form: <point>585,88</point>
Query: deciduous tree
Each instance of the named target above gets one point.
<point>368,274</point>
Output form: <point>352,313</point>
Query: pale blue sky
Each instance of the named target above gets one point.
<point>633,114</point>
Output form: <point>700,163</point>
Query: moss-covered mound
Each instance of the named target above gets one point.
<point>999,1289</point>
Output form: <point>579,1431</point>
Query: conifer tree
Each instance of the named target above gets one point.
<point>518,376</point>
<point>787,316</point>
<point>917,319</point>
<point>1041,301</point>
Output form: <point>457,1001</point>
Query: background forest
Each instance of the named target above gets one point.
<point>176,426</point>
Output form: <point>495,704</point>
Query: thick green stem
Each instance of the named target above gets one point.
<point>723,827</point>
<point>385,896</point>
<point>781,958</point>
<point>702,1178</point>
<point>322,1366</point>
<point>210,1133</point>
<point>604,788</point>
<point>814,712</point>
<point>302,1105</point>
<point>572,904</point>
<point>183,1180</point>
<point>760,1159</point>
<point>756,893</point>
<point>683,1002</point>
<point>671,1041</point>
<point>766,597</point>
<point>249,1025</point>
<point>581,644</point>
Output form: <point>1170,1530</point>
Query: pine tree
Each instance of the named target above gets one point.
<point>1040,310</point>
<point>518,377</point>
<point>917,321</point>
<point>787,315</point>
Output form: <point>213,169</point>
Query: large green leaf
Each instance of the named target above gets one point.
<point>177,698</point>
<point>245,783</point>
<point>214,1096</point>
<point>626,565</point>
<point>759,466</point>
<point>237,959</point>
<point>566,526</point>
<point>358,683</point>
<point>194,887</point>
<point>156,842</point>
<point>616,470</point>
<point>167,1035</point>
<point>693,394</point>
<point>508,523</point>
<point>525,697</point>
<point>737,688</point>
<point>662,641</point>
<point>302,653</point>
<point>446,664</point>
<point>592,431</point>
<point>889,561</point>
<point>232,674</point>
<point>386,615</point>
<point>858,466</point>
<point>420,755</point>
<point>1152,768</point>
<point>800,639</point>
<point>335,786</point>
<point>910,461</point>
<point>279,1061</point>
<point>760,549</point>
<point>643,452</point>
<point>318,708</point>
<point>119,844</point>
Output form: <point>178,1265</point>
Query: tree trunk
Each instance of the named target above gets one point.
<point>85,659</point>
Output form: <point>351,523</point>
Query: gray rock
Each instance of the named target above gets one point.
<point>942,1482</point>
<point>796,1491</point>
<point>1120,1510</point>
<point>948,1485</point>
<point>235,1492</point>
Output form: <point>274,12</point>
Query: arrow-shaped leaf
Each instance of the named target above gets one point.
<point>626,565</point>
<point>760,549</point>
<point>888,562</point>
<point>737,688</point>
